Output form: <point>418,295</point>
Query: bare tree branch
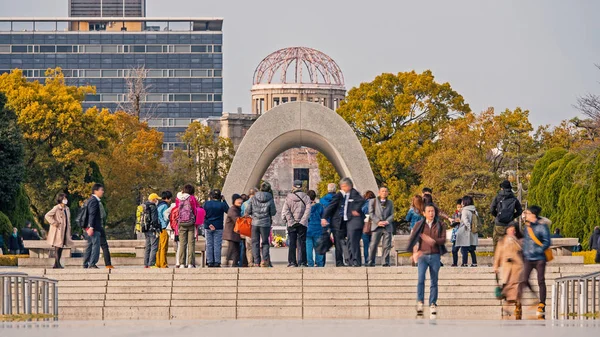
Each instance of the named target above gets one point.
<point>137,89</point>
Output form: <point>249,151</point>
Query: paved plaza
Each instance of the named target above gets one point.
<point>266,328</point>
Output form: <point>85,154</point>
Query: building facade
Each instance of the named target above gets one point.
<point>107,8</point>
<point>181,62</point>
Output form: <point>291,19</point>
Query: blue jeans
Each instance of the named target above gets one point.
<point>92,251</point>
<point>311,243</point>
<point>432,262</point>
<point>214,242</point>
<point>366,239</point>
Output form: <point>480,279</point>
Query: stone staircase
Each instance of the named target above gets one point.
<point>278,293</point>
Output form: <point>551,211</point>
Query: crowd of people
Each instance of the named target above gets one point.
<point>342,218</point>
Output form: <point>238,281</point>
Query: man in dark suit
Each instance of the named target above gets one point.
<point>347,218</point>
<point>93,229</point>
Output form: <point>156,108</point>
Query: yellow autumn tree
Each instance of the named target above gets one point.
<point>61,140</point>
<point>131,168</point>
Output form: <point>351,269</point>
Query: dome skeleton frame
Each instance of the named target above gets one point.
<point>321,68</point>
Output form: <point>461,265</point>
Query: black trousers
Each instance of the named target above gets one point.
<point>104,247</point>
<point>233,253</point>
<point>339,237</point>
<point>297,238</point>
<point>354,236</point>
<point>540,268</point>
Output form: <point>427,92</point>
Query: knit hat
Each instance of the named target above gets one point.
<point>235,197</point>
<point>506,185</point>
<point>153,197</point>
<point>298,183</point>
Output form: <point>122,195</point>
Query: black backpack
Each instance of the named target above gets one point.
<point>82,217</point>
<point>506,210</point>
<point>149,224</point>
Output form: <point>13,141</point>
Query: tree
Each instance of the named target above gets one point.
<point>208,155</point>
<point>5,226</point>
<point>59,137</point>
<point>137,89</point>
<point>130,168</point>
<point>472,155</point>
<point>397,118</point>
<point>18,210</point>
<point>11,154</point>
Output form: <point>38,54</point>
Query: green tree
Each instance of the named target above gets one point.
<point>11,154</point>
<point>209,156</point>
<point>397,118</point>
<point>18,210</point>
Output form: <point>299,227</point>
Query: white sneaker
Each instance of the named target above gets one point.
<point>181,267</point>
<point>190,266</point>
<point>433,309</point>
<point>419,308</point>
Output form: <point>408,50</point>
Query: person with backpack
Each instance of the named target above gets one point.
<point>314,232</point>
<point>187,206</point>
<point>262,209</point>
<point>505,208</point>
<point>233,239</point>
<point>173,214</point>
<point>216,209</point>
<point>163,218</point>
<point>466,235</point>
<point>296,211</point>
<point>151,228</point>
<point>536,242</point>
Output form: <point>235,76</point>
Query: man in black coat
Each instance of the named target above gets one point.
<point>347,219</point>
<point>93,228</point>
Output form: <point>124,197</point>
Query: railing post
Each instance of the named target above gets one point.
<point>565,299</point>
<point>27,297</point>
<point>16,287</point>
<point>554,308</point>
<point>45,286</point>
<point>582,298</point>
<point>37,297</point>
<point>55,302</point>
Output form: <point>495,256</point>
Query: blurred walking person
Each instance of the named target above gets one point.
<point>508,264</point>
<point>535,243</point>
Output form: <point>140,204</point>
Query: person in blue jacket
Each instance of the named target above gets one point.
<point>216,209</point>
<point>536,241</point>
<point>314,232</point>
<point>366,238</point>
<point>415,213</point>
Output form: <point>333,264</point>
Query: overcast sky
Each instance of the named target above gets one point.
<point>538,55</point>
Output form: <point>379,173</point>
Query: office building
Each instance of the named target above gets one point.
<point>182,60</point>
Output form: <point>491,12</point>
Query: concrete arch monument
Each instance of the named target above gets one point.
<point>298,124</point>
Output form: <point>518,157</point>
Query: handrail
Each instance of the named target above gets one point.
<point>30,293</point>
<point>576,296</point>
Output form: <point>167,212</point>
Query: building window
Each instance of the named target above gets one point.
<point>198,49</point>
<point>303,175</point>
<point>139,49</point>
<point>97,26</point>
<point>19,49</point>
<point>217,49</point>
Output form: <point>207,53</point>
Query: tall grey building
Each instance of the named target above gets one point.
<point>182,57</point>
<point>107,8</point>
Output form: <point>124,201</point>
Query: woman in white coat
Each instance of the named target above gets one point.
<point>59,234</point>
<point>465,238</point>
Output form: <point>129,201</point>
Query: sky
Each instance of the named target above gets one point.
<point>534,54</point>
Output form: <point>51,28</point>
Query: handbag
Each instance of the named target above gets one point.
<point>547,252</point>
<point>243,226</point>
<point>367,225</point>
<point>324,243</point>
